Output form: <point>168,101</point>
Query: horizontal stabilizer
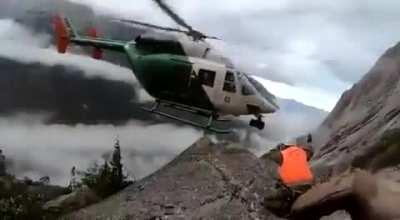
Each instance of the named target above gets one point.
<point>97,52</point>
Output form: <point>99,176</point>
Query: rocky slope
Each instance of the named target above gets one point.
<point>207,181</point>
<point>363,129</point>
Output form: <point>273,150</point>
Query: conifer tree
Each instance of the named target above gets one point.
<point>2,164</point>
<point>116,164</point>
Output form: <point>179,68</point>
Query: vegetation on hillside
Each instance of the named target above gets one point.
<point>105,179</point>
<point>385,153</point>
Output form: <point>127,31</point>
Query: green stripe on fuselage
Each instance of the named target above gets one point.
<point>168,77</point>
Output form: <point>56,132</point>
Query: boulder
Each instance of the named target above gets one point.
<point>80,198</point>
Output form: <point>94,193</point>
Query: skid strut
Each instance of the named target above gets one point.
<point>207,126</point>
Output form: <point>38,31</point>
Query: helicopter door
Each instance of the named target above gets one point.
<point>228,97</point>
<point>207,77</point>
<point>229,83</point>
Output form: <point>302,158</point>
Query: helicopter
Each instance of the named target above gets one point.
<point>182,71</point>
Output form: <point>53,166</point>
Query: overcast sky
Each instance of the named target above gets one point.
<point>312,47</point>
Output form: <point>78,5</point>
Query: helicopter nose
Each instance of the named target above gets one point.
<point>261,107</point>
<point>269,107</point>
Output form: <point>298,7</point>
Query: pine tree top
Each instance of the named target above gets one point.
<point>116,144</point>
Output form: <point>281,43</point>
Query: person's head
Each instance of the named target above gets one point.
<point>281,146</point>
<point>309,150</point>
<point>309,138</point>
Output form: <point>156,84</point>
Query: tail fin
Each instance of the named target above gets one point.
<point>62,34</point>
<point>97,52</point>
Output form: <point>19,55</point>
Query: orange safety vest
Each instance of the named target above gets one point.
<point>295,168</point>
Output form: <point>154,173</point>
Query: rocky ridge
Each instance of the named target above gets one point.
<point>207,181</point>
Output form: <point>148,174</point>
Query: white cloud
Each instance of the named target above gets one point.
<point>39,150</point>
<point>18,43</point>
<point>11,31</point>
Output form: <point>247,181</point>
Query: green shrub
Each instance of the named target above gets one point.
<point>16,202</point>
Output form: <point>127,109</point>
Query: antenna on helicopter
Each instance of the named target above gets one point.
<point>195,34</point>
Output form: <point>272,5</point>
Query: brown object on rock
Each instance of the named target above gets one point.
<point>364,196</point>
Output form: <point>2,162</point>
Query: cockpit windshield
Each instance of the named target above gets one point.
<point>261,89</point>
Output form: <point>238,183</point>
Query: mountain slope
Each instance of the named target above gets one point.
<point>362,130</point>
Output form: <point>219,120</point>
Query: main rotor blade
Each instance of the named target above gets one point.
<point>151,25</point>
<point>212,37</point>
<point>172,14</point>
<point>197,35</point>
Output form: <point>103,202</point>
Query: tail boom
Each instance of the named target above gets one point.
<point>66,34</point>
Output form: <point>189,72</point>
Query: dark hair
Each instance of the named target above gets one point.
<point>309,138</point>
<point>280,146</point>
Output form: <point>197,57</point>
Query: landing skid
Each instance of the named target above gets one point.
<point>257,123</point>
<point>208,126</point>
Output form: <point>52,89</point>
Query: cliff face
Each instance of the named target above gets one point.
<point>362,130</point>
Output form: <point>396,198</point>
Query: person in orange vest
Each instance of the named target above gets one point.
<point>289,167</point>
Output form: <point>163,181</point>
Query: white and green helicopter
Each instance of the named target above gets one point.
<point>182,71</point>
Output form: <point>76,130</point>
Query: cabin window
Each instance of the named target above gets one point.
<point>207,77</point>
<point>229,84</point>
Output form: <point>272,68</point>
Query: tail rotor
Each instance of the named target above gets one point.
<point>62,34</point>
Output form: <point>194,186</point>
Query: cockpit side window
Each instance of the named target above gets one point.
<point>207,77</point>
<point>246,90</point>
<point>229,84</point>
<point>260,88</point>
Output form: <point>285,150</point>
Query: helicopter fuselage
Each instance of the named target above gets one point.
<point>198,82</point>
